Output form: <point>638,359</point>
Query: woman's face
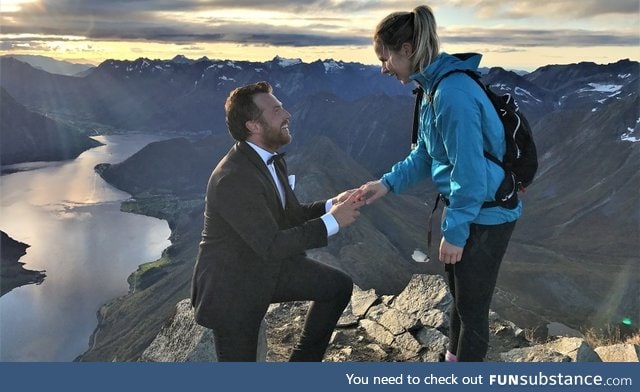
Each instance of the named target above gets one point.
<point>396,64</point>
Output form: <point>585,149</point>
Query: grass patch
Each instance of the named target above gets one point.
<point>134,278</point>
<point>163,207</point>
<point>153,264</point>
<point>610,335</point>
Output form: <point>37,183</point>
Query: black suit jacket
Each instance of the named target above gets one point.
<point>247,235</point>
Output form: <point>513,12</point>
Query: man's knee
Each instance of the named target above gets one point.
<point>345,287</point>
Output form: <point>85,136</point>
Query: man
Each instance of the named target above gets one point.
<point>255,234</point>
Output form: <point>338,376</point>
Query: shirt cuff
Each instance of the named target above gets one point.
<point>331,224</point>
<point>328,205</point>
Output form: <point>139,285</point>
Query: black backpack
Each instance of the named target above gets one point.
<point>520,161</point>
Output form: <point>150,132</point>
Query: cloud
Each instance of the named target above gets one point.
<point>192,47</point>
<point>9,45</point>
<point>163,30</point>
<point>111,8</point>
<point>158,21</point>
<point>499,50</point>
<point>298,23</point>
<point>538,37</point>
<point>98,8</point>
<point>548,8</point>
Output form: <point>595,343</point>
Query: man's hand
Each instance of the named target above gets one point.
<point>372,191</point>
<point>346,212</point>
<point>343,196</point>
<point>449,253</point>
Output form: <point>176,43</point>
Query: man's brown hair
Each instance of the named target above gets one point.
<point>240,108</point>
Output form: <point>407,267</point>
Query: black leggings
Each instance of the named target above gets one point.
<point>300,279</point>
<point>471,282</point>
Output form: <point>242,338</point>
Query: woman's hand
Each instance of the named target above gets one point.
<point>372,191</point>
<point>449,253</point>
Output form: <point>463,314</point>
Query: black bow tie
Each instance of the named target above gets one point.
<point>275,157</point>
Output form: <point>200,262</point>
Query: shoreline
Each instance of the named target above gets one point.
<point>172,210</point>
<point>12,271</point>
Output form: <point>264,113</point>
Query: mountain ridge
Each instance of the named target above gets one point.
<point>28,136</point>
<point>53,66</point>
<point>161,95</point>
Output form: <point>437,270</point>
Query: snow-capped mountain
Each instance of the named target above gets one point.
<point>588,85</point>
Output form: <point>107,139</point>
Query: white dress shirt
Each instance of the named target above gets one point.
<point>330,223</point>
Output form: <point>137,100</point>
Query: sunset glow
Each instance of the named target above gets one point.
<point>14,5</point>
<point>520,34</point>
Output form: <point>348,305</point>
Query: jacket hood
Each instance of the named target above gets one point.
<point>443,64</point>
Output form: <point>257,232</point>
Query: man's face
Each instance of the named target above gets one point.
<point>273,123</point>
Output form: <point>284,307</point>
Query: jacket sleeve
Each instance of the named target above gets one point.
<point>314,210</point>
<point>458,115</point>
<point>415,168</point>
<point>245,205</point>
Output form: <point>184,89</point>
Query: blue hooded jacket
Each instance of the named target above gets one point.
<point>457,125</point>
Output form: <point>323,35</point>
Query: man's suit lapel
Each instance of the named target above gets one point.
<point>281,171</point>
<point>255,159</point>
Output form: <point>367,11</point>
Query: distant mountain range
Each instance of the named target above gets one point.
<point>187,96</point>
<point>574,257</point>
<point>53,66</point>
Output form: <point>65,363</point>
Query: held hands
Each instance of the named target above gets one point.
<point>343,196</point>
<point>346,204</point>
<point>372,191</point>
<point>345,207</point>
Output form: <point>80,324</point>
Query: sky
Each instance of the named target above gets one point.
<point>519,34</point>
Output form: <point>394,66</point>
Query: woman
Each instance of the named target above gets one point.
<point>457,124</point>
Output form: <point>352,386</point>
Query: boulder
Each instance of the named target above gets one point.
<point>575,348</point>
<point>623,352</point>
<point>183,340</point>
<point>534,354</point>
<point>423,294</point>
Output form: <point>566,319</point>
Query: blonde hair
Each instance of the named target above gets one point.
<point>418,28</point>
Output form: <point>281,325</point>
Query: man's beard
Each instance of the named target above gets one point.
<point>275,137</point>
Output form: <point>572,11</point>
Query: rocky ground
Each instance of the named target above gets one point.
<point>410,326</point>
<point>351,342</point>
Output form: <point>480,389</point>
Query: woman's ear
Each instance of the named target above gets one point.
<point>407,49</point>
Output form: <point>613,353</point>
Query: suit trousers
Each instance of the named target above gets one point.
<point>300,279</point>
<point>472,281</point>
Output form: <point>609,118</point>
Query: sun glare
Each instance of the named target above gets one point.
<point>14,5</point>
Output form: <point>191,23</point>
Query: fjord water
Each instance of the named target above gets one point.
<point>88,247</point>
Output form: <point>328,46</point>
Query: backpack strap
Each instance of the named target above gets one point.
<point>419,93</point>
<point>493,159</point>
<point>439,197</point>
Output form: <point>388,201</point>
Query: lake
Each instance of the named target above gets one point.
<point>88,247</point>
